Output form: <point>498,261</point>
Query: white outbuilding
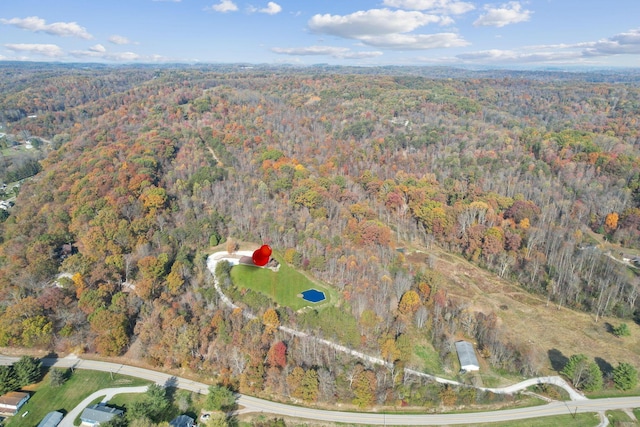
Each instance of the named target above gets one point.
<point>467,356</point>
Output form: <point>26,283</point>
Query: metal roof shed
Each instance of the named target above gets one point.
<point>467,356</point>
<point>52,419</point>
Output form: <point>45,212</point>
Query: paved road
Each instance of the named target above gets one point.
<point>260,405</point>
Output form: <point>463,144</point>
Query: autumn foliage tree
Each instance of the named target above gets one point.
<point>409,302</point>
<point>277,354</point>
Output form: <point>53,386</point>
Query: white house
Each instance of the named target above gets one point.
<point>467,356</point>
<point>11,402</point>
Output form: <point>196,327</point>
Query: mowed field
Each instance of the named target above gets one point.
<point>527,319</point>
<point>283,286</point>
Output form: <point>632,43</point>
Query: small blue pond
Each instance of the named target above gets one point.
<point>313,295</point>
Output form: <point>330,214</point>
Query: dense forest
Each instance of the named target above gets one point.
<point>145,170</point>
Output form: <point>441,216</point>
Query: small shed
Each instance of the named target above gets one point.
<point>467,356</point>
<point>52,419</point>
<point>11,402</point>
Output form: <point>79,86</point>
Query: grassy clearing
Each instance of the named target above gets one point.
<point>613,392</point>
<point>429,358</point>
<point>126,399</point>
<point>283,287</point>
<point>546,330</point>
<point>618,417</point>
<point>580,420</point>
<point>82,383</point>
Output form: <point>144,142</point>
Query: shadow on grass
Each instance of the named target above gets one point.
<point>604,366</point>
<point>557,359</point>
<point>608,327</point>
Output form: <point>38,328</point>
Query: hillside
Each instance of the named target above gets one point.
<point>500,182</point>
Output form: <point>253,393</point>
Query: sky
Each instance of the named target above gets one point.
<point>527,34</point>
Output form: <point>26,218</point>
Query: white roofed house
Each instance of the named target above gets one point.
<point>11,402</point>
<point>98,413</point>
<point>467,356</point>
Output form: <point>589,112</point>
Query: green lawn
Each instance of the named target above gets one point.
<point>613,392</point>
<point>45,398</point>
<point>580,420</point>
<point>283,287</point>
<point>126,399</point>
<point>618,417</point>
<point>429,358</point>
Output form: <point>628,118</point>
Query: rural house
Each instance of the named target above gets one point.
<point>11,402</point>
<point>98,413</point>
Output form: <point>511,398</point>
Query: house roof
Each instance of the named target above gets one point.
<point>466,354</point>
<point>52,419</point>
<point>13,398</point>
<point>182,421</point>
<point>100,413</point>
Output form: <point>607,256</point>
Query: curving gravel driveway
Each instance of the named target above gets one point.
<point>233,259</point>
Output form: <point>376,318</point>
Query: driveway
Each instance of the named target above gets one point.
<point>109,392</point>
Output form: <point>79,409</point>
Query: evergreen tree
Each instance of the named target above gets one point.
<point>594,378</point>
<point>621,330</point>
<point>583,374</point>
<point>625,376</point>
<point>8,380</point>
<point>27,370</point>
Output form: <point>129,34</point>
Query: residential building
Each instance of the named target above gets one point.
<point>182,421</point>
<point>11,402</point>
<point>98,413</point>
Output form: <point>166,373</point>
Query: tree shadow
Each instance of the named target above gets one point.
<point>608,327</point>
<point>171,385</point>
<point>557,359</point>
<point>604,366</point>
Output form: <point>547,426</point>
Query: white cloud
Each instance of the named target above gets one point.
<point>620,44</point>
<point>50,50</point>
<point>510,56</point>
<point>100,52</point>
<point>374,22</point>
<point>224,6</point>
<point>508,13</point>
<point>437,6</point>
<point>36,24</point>
<point>416,41</point>
<point>120,40</point>
<point>98,48</point>
<point>627,43</point>
<point>384,28</point>
<point>271,9</point>
<point>336,52</point>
